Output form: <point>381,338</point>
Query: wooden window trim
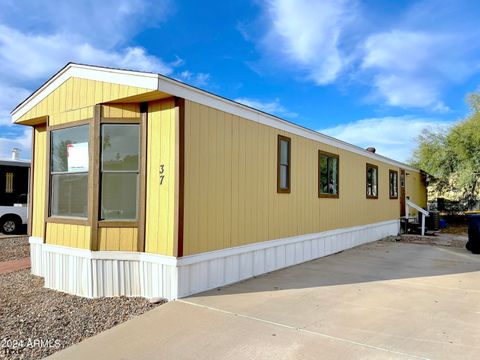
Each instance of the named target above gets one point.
<point>117,224</point>
<point>281,190</point>
<point>31,177</point>
<point>389,184</point>
<point>142,201</point>
<point>121,121</point>
<point>320,194</point>
<point>92,219</point>
<point>70,124</point>
<point>138,223</point>
<point>368,166</point>
<point>67,220</point>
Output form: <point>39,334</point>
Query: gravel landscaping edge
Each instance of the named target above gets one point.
<point>36,322</point>
<point>14,248</point>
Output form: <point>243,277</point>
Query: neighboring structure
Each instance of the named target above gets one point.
<point>14,180</point>
<point>145,186</point>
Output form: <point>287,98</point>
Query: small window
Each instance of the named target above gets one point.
<point>372,181</point>
<point>328,169</point>
<point>9,183</point>
<point>283,170</point>
<point>120,171</point>
<point>393,181</point>
<point>69,172</point>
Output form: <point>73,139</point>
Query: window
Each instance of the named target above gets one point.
<point>372,181</point>
<point>9,183</point>
<point>328,165</point>
<point>69,163</point>
<point>283,168</point>
<point>393,181</point>
<point>120,171</point>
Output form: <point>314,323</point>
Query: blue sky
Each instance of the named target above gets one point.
<point>373,73</point>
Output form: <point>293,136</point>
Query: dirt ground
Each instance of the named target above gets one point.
<point>457,229</point>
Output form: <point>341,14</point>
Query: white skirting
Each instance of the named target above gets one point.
<point>116,273</point>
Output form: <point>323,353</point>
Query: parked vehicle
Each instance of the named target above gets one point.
<point>14,174</point>
<point>13,218</point>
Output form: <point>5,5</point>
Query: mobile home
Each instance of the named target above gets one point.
<point>146,186</point>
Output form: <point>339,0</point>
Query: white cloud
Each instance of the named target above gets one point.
<point>24,57</point>
<point>407,59</point>
<point>9,95</point>
<point>409,67</point>
<point>393,137</point>
<point>309,33</point>
<point>105,23</point>
<point>22,140</point>
<point>197,79</point>
<point>37,39</point>
<point>270,107</point>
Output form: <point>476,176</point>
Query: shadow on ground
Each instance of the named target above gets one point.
<point>380,261</point>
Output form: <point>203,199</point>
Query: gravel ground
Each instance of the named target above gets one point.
<point>457,229</point>
<point>13,248</point>
<point>450,240</point>
<point>36,322</point>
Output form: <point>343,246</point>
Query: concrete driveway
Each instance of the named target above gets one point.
<point>382,300</point>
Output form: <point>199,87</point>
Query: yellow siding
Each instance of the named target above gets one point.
<point>160,202</point>
<point>74,100</point>
<point>76,236</point>
<point>39,187</point>
<point>121,111</point>
<point>122,239</point>
<point>415,189</point>
<point>231,197</point>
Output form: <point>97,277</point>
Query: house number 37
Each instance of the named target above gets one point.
<point>162,173</point>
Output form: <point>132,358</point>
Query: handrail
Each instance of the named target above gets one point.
<point>424,212</point>
<point>418,208</point>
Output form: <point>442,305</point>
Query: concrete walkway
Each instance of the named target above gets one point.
<point>14,265</point>
<point>383,300</point>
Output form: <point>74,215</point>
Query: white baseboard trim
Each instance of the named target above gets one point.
<point>117,273</point>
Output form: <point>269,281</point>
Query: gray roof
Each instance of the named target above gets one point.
<point>19,163</point>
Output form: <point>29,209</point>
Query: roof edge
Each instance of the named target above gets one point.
<point>116,76</point>
<point>154,81</point>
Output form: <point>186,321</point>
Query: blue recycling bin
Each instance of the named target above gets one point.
<point>473,243</point>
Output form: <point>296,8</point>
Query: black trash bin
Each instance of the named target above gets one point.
<point>473,243</point>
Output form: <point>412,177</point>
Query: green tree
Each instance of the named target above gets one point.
<point>452,156</point>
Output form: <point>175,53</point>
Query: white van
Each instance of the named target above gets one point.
<point>12,218</point>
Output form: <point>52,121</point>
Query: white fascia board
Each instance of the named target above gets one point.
<point>175,88</point>
<point>185,91</point>
<point>114,76</point>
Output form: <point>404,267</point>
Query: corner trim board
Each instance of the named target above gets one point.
<point>180,105</point>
